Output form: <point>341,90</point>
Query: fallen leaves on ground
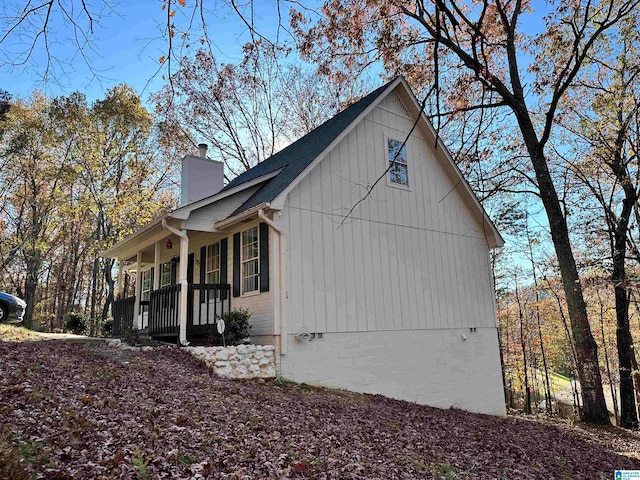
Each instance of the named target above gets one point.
<point>85,411</point>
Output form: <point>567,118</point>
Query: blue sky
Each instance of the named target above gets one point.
<point>125,48</point>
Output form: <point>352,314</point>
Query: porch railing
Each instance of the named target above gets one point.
<point>205,304</point>
<point>209,302</point>
<point>123,314</point>
<point>164,311</point>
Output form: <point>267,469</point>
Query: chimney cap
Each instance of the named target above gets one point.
<point>202,150</point>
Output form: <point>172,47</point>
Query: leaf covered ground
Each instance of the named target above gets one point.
<point>70,410</point>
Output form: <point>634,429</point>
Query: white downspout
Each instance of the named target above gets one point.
<point>279,294</point>
<point>184,285</point>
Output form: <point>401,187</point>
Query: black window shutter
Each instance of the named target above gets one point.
<point>223,267</point>
<point>190,262</point>
<point>223,261</point>
<point>174,270</point>
<point>203,265</point>
<point>203,271</point>
<point>236,264</point>
<point>264,257</point>
<point>151,279</point>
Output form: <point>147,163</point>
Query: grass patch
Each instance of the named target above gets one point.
<point>11,333</point>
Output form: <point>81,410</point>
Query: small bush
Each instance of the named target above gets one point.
<point>106,329</point>
<point>237,329</point>
<point>76,323</point>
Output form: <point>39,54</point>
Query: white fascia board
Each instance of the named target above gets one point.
<point>183,212</point>
<point>253,211</point>
<point>278,202</point>
<point>493,235</point>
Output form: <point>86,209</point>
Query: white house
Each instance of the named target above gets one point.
<point>396,299</point>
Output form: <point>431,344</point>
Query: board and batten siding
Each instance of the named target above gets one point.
<point>402,291</point>
<point>405,259</point>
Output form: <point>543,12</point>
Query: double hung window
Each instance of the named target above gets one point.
<point>165,274</point>
<point>250,261</point>
<point>397,158</point>
<point>145,290</point>
<point>213,263</point>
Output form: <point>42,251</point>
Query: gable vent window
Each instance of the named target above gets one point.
<point>250,261</point>
<point>399,171</point>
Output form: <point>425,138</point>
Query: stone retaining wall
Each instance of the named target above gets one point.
<point>242,361</point>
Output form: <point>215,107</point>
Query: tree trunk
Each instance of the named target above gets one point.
<point>30,286</point>
<point>547,390</point>
<point>527,389</point>
<point>606,361</point>
<point>593,401</point>
<point>628,414</point>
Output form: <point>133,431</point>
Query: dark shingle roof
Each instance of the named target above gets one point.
<point>297,156</point>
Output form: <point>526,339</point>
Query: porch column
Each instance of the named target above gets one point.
<point>184,285</point>
<point>136,308</point>
<point>120,278</point>
<point>156,266</point>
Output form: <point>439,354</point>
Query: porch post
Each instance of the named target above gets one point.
<point>156,266</point>
<point>136,308</point>
<point>184,285</point>
<point>120,278</point>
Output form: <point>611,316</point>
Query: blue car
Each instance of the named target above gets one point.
<point>11,308</point>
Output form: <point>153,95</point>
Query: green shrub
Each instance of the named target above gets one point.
<point>76,323</point>
<point>237,329</point>
<point>106,329</point>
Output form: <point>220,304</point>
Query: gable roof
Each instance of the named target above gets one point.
<point>278,174</point>
<point>293,159</point>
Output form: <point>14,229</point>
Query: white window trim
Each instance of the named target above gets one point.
<point>409,185</point>
<point>146,276</point>
<point>243,261</point>
<point>162,265</point>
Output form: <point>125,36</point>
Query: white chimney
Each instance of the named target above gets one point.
<point>200,177</point>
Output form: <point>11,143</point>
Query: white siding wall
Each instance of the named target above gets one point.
<point>433,367</point>
<point>404,260</point>
<point>204,218</point>
<point>393,289</point>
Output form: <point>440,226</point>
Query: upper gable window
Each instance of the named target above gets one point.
<point>398,171</point>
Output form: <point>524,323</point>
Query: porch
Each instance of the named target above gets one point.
<point>160,314</point>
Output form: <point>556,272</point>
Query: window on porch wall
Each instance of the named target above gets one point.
<point>145,290</point>
<point>250,261</point>
<point>213,263</point>
<point>165,274</point>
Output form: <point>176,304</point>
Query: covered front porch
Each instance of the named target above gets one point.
<point>159,315</point>
<point>179,282</point>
